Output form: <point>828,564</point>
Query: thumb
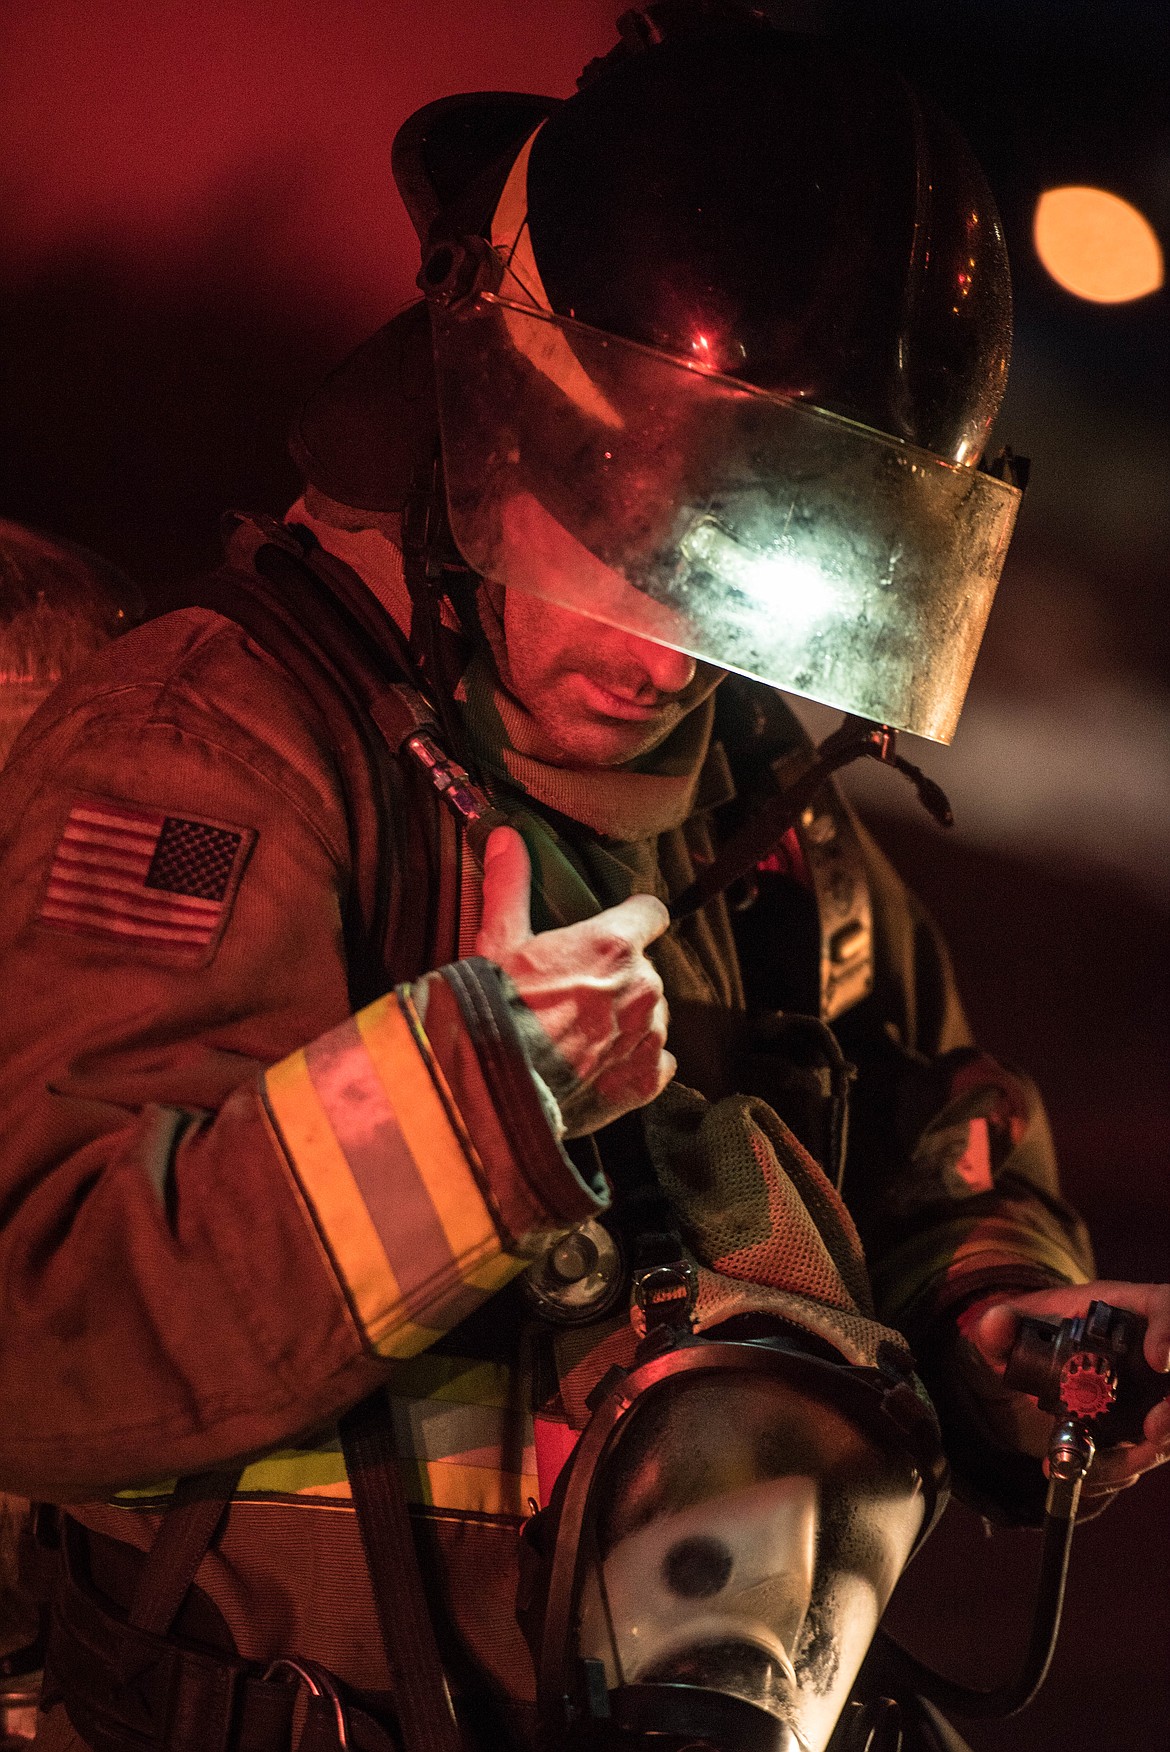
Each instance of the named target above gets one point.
<point>992,1330</point>
<point>507,885</point>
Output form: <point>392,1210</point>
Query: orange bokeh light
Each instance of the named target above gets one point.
<point>1097,245</point>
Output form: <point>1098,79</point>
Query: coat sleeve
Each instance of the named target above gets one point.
<point>226,1204</point>
<point>951,1177</point>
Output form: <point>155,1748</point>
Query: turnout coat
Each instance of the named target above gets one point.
<point>241,1188</point>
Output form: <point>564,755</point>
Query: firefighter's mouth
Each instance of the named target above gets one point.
<point>610,702</point>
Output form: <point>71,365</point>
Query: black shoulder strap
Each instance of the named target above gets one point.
<point>789,781</point>
<point>311,613</point>
<point>183,1540</point>
<point>421,1695</point>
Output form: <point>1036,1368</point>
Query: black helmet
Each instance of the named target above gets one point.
<point>781,211</point>
<point>718,343</point>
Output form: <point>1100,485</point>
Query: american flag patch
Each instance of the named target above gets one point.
<point>136,875</point>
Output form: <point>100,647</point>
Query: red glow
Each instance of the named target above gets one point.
<point>140,133</point>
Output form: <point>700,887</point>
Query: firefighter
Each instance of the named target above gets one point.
<point>311,1127</point>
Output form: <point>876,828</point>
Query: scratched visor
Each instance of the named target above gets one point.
<point>756,532</point>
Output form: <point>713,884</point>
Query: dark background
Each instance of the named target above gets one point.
<point>197,219</point>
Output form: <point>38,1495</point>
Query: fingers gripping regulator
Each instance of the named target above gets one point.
<point>1090,1373</point>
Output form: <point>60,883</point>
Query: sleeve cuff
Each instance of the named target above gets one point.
<point>949,1263</point>
<point>471,1020</point>
<point>417,1138</point>
<point>986,1430</point>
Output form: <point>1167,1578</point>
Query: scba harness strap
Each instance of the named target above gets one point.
<point>352,665</point>
<point>135,1684</point>
<point>125,1687</point>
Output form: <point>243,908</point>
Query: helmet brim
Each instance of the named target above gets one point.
<point>451,157</point>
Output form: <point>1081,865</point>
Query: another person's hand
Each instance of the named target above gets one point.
<point>598,1000</point>
<point>990,1328</point>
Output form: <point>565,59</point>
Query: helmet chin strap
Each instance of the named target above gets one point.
<point>763,831</point>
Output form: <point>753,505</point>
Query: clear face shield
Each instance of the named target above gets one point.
<point>726,1544</point>
<point>756,532</point>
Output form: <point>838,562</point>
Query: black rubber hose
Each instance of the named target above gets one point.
<point>1009,1699</point>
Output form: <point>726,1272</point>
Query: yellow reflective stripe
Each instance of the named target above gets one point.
<point>315,1472</point>
<point>437,1484</point>
<point>438,1154</point>
<point>459,1380</point>
<point>477,1490</point>
<point>331,1189</point>
<point>433,1484</point>
<point>490,1275</point>
<point>469,1477</point>
<point>144,1493</point>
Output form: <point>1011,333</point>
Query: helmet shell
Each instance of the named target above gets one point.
<point>788,214</point>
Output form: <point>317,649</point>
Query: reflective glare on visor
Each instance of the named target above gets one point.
<point>757,533</point>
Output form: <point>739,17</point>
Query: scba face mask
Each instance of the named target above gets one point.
<point>721,1547</point>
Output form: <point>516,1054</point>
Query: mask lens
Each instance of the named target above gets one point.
<point>746,1541</point>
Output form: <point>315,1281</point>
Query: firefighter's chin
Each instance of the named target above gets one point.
<point>596,696</point>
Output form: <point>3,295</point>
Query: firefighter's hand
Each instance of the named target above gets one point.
<point>597,999</point>
<point>990,1327</point>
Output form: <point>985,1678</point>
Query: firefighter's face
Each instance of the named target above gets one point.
<point>598,696</point>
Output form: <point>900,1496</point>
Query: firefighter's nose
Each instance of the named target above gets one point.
<point>668,671</point>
